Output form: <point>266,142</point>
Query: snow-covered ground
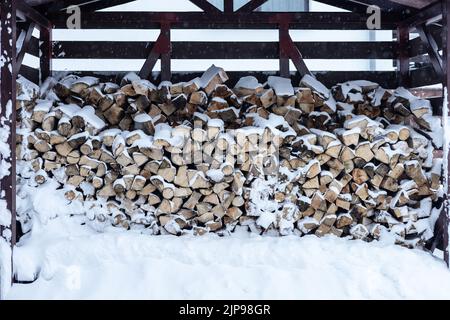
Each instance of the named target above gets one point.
<point>72,261</point>
<point>75,262</point>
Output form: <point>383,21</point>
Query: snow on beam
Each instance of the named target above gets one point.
<point>7,140</point>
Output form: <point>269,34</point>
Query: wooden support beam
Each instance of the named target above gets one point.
<point>446,67</point>
<point>149,63</point>
<point>403,56</point>
<point>224,50</point>
<point>161,47</point>
<point>30,73</point>
<point>360,6</point>
<point>55,7</point>
<point>251,6</point>
<point>431,12</point>
<point>416,46</point>
<point>424,76</point>
<point>432,49</point>
<point>228,6</point>
<point>346,5</point>
<point>25,46</point>
<point>288,51</point>
<point>206,6</point>
<point>418,4</point>
<point>166,73</point>
<point>237,20</point>
<point>8,114</point>
<point>33,15</point>
<point>284,57</point>
<point>45,50</point>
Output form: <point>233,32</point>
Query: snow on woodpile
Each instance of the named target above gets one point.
<point>354,160</point>
<point>75,262</point>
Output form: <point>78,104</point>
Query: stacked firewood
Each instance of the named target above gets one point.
<point>356,160</point>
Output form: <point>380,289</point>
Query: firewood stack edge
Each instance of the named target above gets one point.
<point>196,157</point>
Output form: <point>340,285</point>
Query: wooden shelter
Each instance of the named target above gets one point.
<point>420,61</point>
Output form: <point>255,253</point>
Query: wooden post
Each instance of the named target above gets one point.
<point>25,45</point>
<point>446,68</point>
<point>432,49</point>
<point>283,32</point>
<point>45,50</point>
<point>162,48</point>
<point>8,114</point>
<point>228,6</point>
<point>166,73</point>
<point>403,56</point>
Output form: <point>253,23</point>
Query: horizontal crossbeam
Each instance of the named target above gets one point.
<point>201,20</point>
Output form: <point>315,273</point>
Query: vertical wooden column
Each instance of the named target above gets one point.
<point>446,84</point>
<point>403,56</point>
<point>45,53</point>
<point>166,73</point>
<point>228,6</point>
<point>283,51</point>
<point>8,114</point>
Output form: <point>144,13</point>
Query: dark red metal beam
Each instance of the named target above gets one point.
<point>161,47</point>
<point>446,67</point>
<point>103,4</point>
<point>45,50</point>
<point>25,46</point>
<point>423,76</point>
<point>418,4</point>
<point>387,6</point>
<point>432,49</point>
<point>166,73</point>
<point>416,46</point>
<point>8,108</point>
<point>251,6</point>
<point>33,15</point>
<point>224,50</point>
<point>346,5</point>
<point>403,56</point>
<point>228,6</point>
<point>30,73</point>
<point>45,47</point>
<point>236,20</point>
<point>288,51</point>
